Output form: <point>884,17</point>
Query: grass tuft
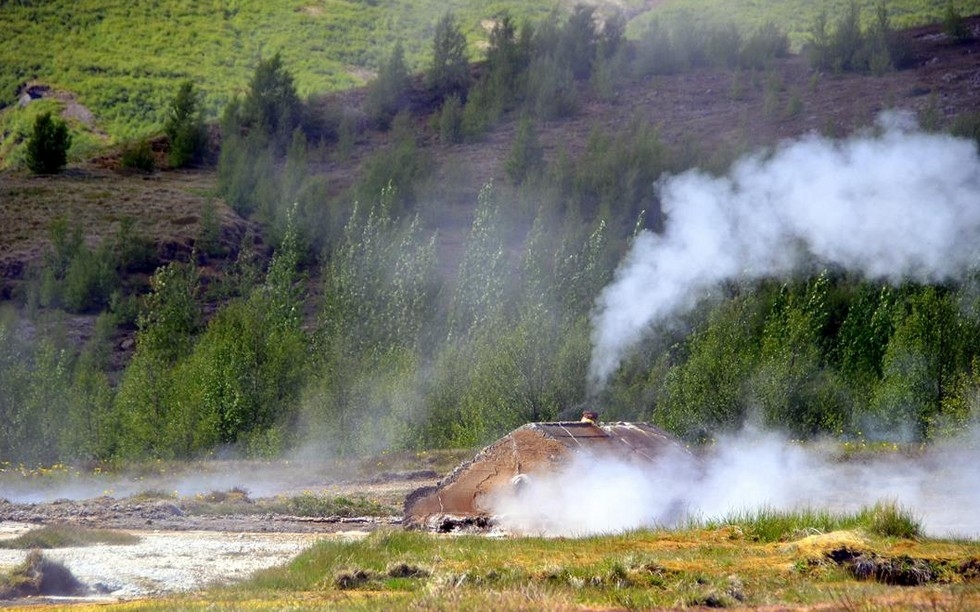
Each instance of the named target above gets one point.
<point>311,504</point>
<point>886,519</point>
<point>891,520</point>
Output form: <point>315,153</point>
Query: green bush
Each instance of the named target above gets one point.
<point>449,70</point>
<point>508,54</point>
<point>74,276</point>
<point>848,47</point>
<point>170,316</point>
<point>552,92</point>
<point>271,105</point>
<point>185,128</point>
<point>138,156</point>
<point>526,154</point>
<point>967,125</point>
<point>764,45</point>
<point>89,280</point>
<point>955,25</point>
<point>47,148</point>
<point>401,165</point>
<point>451,121</point>
<point>656,52</point>
<point>388,94</point>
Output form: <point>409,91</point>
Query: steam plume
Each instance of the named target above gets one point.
<point>896,203</point>
<point>744,474</point>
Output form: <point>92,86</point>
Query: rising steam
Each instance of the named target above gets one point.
<point>895,203</point>
<point>744,474</point>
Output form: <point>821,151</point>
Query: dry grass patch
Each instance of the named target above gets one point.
<point>65,536</point>
<point>166,208</point>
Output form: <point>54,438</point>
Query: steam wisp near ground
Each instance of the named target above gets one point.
<point>747,473</point>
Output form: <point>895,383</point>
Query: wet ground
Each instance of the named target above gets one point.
<point>216,523</point>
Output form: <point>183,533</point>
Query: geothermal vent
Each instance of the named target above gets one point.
<point>533,451</point>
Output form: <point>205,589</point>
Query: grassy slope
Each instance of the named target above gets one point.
<point>123,60</point>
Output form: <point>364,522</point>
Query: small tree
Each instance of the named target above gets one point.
<point>450,71</point>
<point>451,121</point>
<point>388,93</point>
<point>185,128</point>
<point>272,103</point>
<point>47,148</point>
<point>526,155</point>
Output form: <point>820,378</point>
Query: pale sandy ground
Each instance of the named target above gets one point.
<point>166,562</point>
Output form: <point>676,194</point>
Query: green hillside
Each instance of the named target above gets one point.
<point>122,60</point>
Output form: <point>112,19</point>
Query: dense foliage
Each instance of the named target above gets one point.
<point>47,148</point>
<point>396,345</point>
<point>185,128</point>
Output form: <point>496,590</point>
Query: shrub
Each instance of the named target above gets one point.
<point>967,125</point>
<point>272,104</point>
<point>138,156</point>
<point>449,72</point>
<point>578,41</point>
<point>765,44</point>
<point>47,148</point>
<point>507,57</point>
<point>526,155</point>
<point>849,48</point>
<point>402,165</point>
<point>170,316</point>
<point>388,94</point>
<point>89,280</point>
<point>551,89</point>
<point>38,575</point>
<point>954,25</point>
<point>185,128</point>
<point>657,52</point>
<point>451,121</point>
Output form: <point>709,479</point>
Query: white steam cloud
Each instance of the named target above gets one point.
<point>897,203</point>
<point>744,474</point>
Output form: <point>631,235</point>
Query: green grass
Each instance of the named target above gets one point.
<point>65,536</point>
<point>125,60</point>
<point>306,504</point>
<point>885,519</point>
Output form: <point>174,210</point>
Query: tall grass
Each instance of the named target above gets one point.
<point>885,519</point>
